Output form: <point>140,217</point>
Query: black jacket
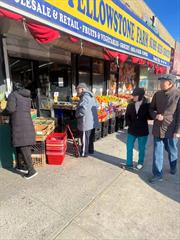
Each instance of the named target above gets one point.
<point>138,123</point>
<point>19,107</point>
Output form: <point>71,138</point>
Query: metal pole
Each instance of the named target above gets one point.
<point>6,63</point>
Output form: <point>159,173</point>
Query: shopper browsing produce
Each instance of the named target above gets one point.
<point>87,119</point>
<point>23,133</point>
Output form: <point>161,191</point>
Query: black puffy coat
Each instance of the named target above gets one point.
<point>19,107</point>
<point>138,122</point>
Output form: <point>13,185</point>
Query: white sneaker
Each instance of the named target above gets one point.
<point>139,166</point>
<point>21,170</point>
<point>30,175</point>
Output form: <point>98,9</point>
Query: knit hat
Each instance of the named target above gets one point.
<point>169,77</point>
<point>82,85</point>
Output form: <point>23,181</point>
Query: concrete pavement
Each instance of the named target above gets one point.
<point>91,198</point>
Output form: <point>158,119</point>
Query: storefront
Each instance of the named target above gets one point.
<point>52,46</point>
<point>108,24</point>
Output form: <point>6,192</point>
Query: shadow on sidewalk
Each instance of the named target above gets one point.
<point>170,185</point>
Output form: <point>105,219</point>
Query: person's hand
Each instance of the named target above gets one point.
<point>159,117</point>
<point>176,135</point>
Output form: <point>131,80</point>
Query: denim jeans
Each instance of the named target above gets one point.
<point>141,147</point>
<point>170,145</point>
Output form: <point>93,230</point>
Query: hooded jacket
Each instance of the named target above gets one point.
<point>166,103</point>
<point>86,112</point>
<point>19,107</point>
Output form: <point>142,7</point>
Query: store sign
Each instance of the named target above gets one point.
<point>104,22</point>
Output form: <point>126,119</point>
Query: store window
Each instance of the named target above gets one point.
<point>148,79</point>
<point>112,83</point>
<point>98,76</point>
<point>84,70</point>
<point>49,77</point>
<point>128,77</point>
<point>21,71</point>
<point>60,78</point>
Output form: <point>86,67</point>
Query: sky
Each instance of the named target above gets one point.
<point>168,12</point>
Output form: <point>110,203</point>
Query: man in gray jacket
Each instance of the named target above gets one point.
<point>87,119</point>
<point>165,110</point>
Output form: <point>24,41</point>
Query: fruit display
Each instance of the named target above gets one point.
<point>102,114</point>
<point>3,104</point>
<point>75,99</point>
<point>114,101</point>
<point>109,105</point>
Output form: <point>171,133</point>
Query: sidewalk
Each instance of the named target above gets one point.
<point>91,198</point>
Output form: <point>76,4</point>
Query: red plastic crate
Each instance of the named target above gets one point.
<point>55,148</point>
<point>56,142</point>
<point>57,152</point>
<point>55,159</point>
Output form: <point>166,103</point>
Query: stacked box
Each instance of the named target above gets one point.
<point>38,154</point>
<point>104,129</point>
<point>98,132</point>
<point>119,123</point>
<point>112,125</point>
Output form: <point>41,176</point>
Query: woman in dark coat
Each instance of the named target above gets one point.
<point>137,115</point>
<point>23,133</point>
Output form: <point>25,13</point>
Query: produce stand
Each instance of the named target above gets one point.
<point>110,113</point>
<point>65,113</point>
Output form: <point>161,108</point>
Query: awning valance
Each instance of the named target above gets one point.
<point>41,33</point>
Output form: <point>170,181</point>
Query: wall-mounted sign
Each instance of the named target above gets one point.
<point>104,22</point>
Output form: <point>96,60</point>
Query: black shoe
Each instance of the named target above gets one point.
<point>155,179</point>
<point>91,152</point>
<point>129,166</point>
<point>173,171</point>
<point>126,167</point>
<point>21,170</point>
<point>31,175</point>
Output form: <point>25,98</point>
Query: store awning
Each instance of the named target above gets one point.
<point>41,33</point>
<point>109,54</point>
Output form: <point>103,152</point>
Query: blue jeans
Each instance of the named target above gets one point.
<point>170,145</point>
<point>141,147</point>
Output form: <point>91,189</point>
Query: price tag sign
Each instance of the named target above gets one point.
<point>56,94</point>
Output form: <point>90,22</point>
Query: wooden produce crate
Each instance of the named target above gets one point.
<point>38,154</point>
<point>43,128</point>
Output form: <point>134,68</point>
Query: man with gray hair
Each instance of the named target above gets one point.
<point>165,110</point>
<point>87,119</point>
